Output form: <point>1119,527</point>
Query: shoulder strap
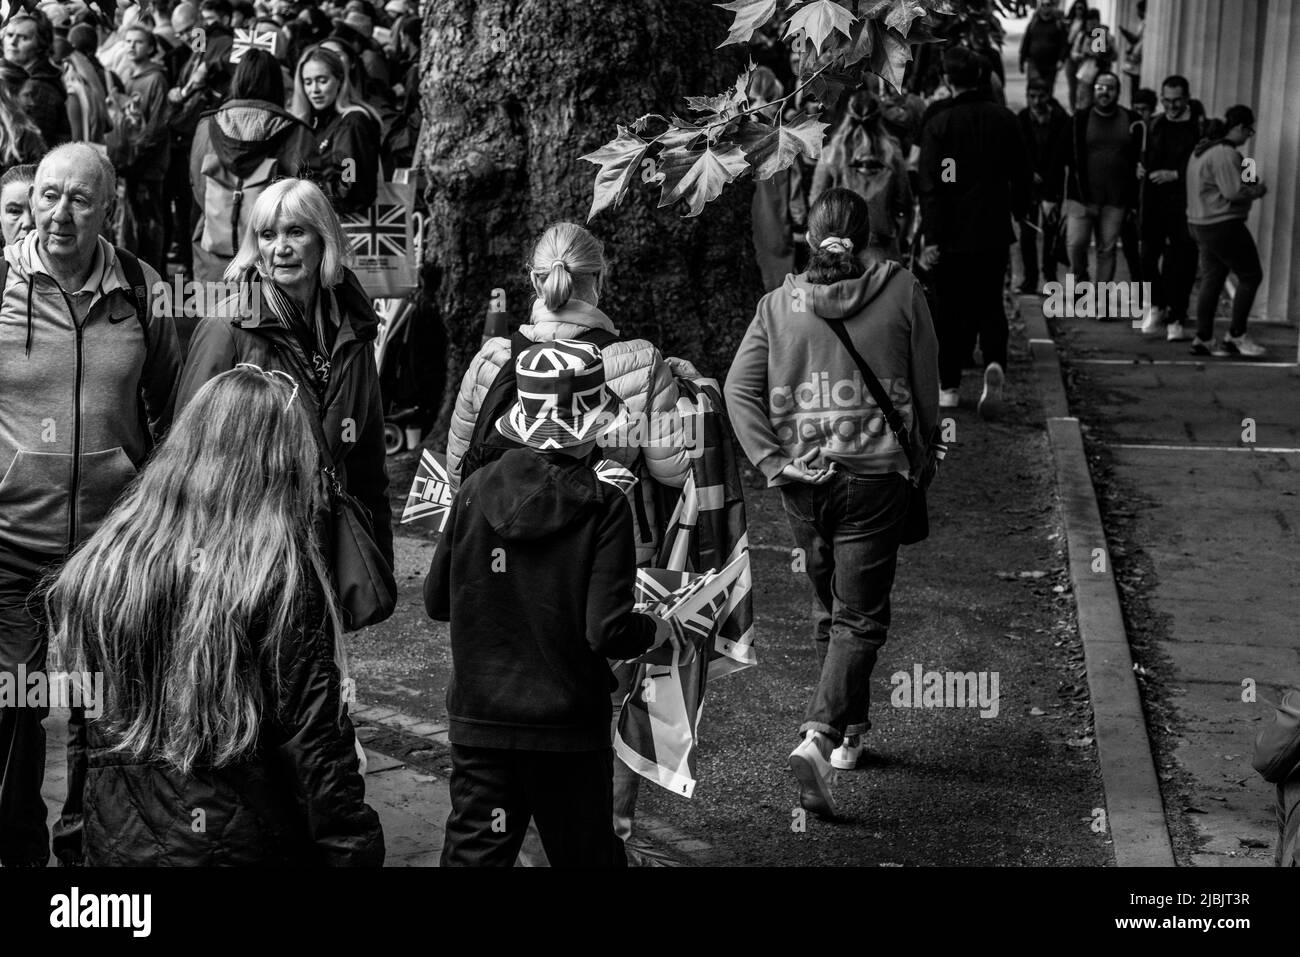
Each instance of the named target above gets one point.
<point>600,338</point>
<point>4,273</point>
<point>502,386</point>
<point>139,293</point>
<point>873,385</point>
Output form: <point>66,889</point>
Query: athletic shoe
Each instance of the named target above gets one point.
<point>1212,348</point>
<point>845,757</point>
<point>814,773</point>
<point>1243,345</point>
<point>1153,321</point>
<point>990,406</point>
<point>1174,332</point>
<point>949,398</point>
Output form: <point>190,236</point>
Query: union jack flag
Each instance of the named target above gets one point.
<point>246,40</point>
<point>382,230</point>
<point>429,501</point>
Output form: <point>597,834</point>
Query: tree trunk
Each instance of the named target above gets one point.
<point>514,91</point>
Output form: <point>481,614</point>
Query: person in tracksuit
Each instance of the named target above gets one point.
<point>89,363</point>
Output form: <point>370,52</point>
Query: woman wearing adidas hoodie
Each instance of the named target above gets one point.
<point>567,273</point>
<point>807,421</point>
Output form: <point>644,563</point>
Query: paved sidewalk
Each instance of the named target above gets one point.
<point>1208,512</point>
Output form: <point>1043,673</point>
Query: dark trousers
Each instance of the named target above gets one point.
<point>146,198</point>
<point>1132,246</point>
<point>23,835</point>
<point>1036,232</point>
<point>848,530</point>
<point>968,286</point>
<point>1224,248</point>
<point>178,203</point>
<point>1168,260</point>
<point>496,792</point>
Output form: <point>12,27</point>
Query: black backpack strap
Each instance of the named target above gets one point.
<point>139,291</point>
<point>892,416</point>
<point>600,338</point>
<point>500,392</point>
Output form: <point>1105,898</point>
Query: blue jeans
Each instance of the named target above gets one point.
<point>849,532</point>
<point>1082,220</point>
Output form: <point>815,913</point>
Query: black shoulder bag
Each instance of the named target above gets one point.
<point>916,524</point>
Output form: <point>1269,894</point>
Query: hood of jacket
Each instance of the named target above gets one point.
<point>572,319</point>
<point>43,69</point>
<point>528,495</point>
<point>141,70</point>
<point>245,132</point>
<point>848,297</point>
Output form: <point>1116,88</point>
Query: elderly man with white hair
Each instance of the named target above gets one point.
<point>89,364</point>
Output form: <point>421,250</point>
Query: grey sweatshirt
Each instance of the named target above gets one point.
<point>793,387</point>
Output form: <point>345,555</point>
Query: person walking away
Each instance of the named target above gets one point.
<point>207,577</point>
<point>1168,249</point>
<point>535,570</point>
<point>314,322</point>
<point>1101,156</point>
<point>239,150</point>
<point>16,219</point>
<point>345,157</point>
<point>88,376</point>
<point>975,179</point>
<point>1218,201</point>
<point>84,80</point>
<point>139,146</point>
<point>1046,45</point>
<point>1075,20</point>
<point>28,38</point>
<point>864,156</point>
<point>778,206</point>
<point>1042,124</point>
<point>842,473</point>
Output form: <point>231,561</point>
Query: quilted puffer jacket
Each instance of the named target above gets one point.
<point>298,801</point>
<point>634,370</point>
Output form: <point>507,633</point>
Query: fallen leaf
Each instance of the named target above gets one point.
<point>1037,712</point>
<point>1079,742</point>
<point>1192,809</point>
<point>1033,574</point>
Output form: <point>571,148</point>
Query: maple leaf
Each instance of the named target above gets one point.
<point>680,134</point>
<point>618,160</point>
<point>830,86</point>
<point>750,15</point>
<point>697,176</point>
<point>818,20</point>
<point>778,148</point>
<point>860,42</point>
<point>902,13</point>
<point>889,56</point>
<point>872,9</point>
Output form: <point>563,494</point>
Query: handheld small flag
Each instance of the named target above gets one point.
<point>429,502</point>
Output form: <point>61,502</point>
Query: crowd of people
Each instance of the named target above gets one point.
<point>198,519</point>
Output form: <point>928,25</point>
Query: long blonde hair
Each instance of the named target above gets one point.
<point>347,100</point>
<point>185,595</point>
<point>566,251</point>
<point>13,122</point>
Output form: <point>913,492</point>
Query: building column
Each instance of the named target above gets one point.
<point>1217,44</point>
<point>1277,154</point>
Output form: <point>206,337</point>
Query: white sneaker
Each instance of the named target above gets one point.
<point>1153,320</point>
<point>1174,332</point>
<point>990,406</point>
<point>845,757</point>
<point>949,398</point>
<point>1243,345</point>
<point>815,774</point>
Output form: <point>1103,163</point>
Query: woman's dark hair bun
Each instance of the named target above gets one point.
<point>840,213</point>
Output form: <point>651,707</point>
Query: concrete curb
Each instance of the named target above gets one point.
<point>1135,808</point>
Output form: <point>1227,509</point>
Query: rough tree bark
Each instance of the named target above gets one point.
<point>514,92</point>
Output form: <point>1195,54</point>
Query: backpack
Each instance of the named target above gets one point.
<point>225,196</point>
<point>134,279</point>
<point>486,444</point>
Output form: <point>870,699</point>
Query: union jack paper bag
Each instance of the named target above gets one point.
<point>383,240</point>
<point>429,502</point>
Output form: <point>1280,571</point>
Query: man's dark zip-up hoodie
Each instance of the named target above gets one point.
<point>81,403</point>
<point>535,571</point>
